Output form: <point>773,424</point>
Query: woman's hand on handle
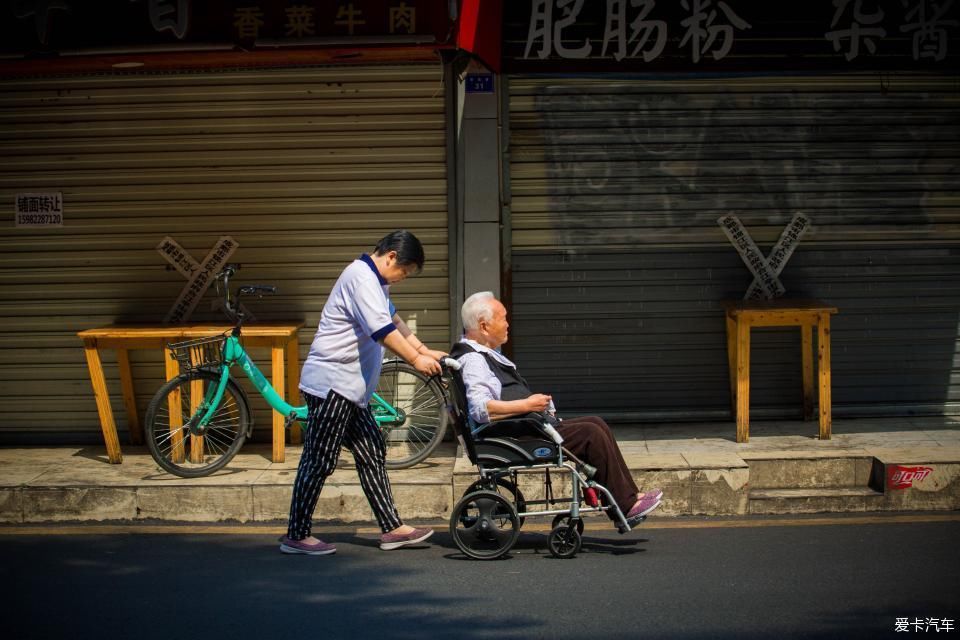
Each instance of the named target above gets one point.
<point>420,361</point>
<point>426,365</point>
<point>432,353</point>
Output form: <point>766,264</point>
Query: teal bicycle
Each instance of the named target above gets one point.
<point>197,422</point>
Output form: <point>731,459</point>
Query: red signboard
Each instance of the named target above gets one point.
<point>900,477</point>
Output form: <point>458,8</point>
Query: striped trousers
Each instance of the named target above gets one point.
<point>333,423</point>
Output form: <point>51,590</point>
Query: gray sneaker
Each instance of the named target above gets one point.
<point>390,541</point>
<point>319,548</point>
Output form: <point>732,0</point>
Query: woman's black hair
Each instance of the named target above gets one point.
<point>408,248</point>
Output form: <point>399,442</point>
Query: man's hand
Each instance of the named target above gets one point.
<point>538,402</point>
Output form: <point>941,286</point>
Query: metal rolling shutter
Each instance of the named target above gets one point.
<point>618,262</point>
<point>304,168</point>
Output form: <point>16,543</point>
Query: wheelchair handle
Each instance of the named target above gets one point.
<point>450,363</point>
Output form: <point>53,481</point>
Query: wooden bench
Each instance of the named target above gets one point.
<point>280,338</point>
<point>742,315</point>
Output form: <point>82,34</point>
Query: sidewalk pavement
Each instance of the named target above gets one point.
<point>877,464</point>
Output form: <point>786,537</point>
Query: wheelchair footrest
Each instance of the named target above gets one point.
<point>633,522</point>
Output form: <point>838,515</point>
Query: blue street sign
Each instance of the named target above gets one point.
<point>479,83</point>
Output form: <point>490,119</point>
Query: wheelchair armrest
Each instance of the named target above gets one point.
<point>519,424</point>
<point>531,423</point>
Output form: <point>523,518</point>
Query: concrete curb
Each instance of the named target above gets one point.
<point>719,489</point>
<point>70,484</point>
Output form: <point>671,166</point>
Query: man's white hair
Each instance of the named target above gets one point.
<point>476,308</point>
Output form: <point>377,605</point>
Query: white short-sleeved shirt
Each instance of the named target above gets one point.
<point>346,354</point>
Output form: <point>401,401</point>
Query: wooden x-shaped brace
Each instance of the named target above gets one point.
<point>765,269</point>
<point>199,275</point>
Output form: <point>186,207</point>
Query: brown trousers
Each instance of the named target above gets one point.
<point>590,439</point>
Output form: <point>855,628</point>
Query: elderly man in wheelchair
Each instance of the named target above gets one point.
<point>508,430</point>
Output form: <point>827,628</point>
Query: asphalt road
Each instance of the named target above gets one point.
<point>756,578</point>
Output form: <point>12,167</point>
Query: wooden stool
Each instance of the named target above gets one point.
<point>744,314</point>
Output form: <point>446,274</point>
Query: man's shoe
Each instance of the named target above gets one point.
<point>652,494</point>
<point>643,507</point>
<point>318,548</point>
<point>395,541</point>
<point>634,521</point>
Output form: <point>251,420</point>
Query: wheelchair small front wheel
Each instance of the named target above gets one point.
<point>562,518</point>
<point>564,541</point>
<point>484,525</point>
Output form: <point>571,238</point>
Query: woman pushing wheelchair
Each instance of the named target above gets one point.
<point>495,390</point>
<point>338,378</point>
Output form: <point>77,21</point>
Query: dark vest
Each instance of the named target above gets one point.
<point>514,387</point>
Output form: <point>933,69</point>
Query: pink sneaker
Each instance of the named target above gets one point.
<point>395,541</point>
<point>652,494</point>
<point>319,548</point>
<point>643,507</point>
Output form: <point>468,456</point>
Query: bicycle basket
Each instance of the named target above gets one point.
<point>198,353</point>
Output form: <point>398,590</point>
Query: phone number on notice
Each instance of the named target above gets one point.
<point>25,219</point>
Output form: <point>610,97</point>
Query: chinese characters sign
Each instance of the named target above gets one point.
<point>38,210</point>
<point>46,25</point>
<point>250,21</point>
<point>765,269</point>
<point>199,275</point>
<point>730,34</point>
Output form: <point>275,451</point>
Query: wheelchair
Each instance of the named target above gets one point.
<point>486,521</point>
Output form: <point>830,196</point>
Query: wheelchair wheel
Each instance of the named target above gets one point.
<point>561,518</point>
<point>564,542</point>
<point>484,525</point>
<point>504,487</point>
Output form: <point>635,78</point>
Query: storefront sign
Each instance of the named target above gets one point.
<point>38,209</point>
<point>655,35</point>
<point>28,26</point>
<point>899,477</point>
<point>199,275</point>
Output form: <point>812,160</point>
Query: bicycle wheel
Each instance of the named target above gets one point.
<point>414,418</point>
<point>169,416</point>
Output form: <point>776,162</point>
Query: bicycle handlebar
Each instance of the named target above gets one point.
<point>232,306</point>
<point>258,289</point>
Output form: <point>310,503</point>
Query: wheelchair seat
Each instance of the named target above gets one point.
<point>511,442</point>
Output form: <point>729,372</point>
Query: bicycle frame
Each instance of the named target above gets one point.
<point>235,354</point>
